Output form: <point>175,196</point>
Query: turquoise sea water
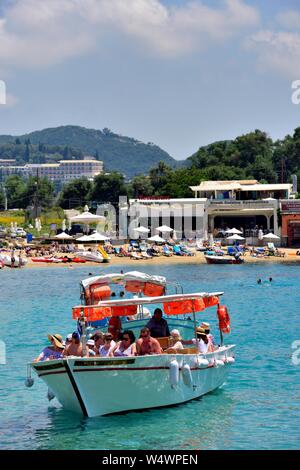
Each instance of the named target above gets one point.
<point>258,407</point>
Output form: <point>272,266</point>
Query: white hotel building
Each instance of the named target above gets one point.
<point>63,171</point>
<point>241,204</point>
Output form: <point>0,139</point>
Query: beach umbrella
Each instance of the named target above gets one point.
<point>271,236</point>
<point>97,237</point>
<point>156,239</point>
<point>84,238</point>
<point>234,231</point>
<point>63,236</point>
<point>87,218</point>
<point>142,229</point>
<point>235,237</point>
<point>164,228</point>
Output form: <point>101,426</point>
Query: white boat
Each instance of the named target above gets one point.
<point>6,260</point>
<point>105,385</point>
<point>93,256</point>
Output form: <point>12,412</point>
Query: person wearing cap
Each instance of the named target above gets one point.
<point>75,348</point>
<point>90,344</point>
<point>175,342</point>
<point>68,339</point>
<point>55,351</point>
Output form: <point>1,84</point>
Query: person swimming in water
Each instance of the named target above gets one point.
<point>258,281</point>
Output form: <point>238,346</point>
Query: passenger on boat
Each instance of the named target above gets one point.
<point>146,344</point>
<point>68,340</point>
<point>202,342</point>
<point>55,351</point>
<point>98,338</point>
<point>91,344</point>
<point>125,347</point>
<point>115,327</point>
<point>175,342</point>
<point>75,348</point>
<point>158,326</point>
<point>108,345</point>
<point>206,327</point>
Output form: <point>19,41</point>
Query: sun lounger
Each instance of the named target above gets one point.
<point>145,255</point>
<point>166,251</point>
<point>135,255</point>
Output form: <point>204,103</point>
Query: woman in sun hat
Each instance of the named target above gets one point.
<point>54,351</point>
<point>206,327</point>
<point>201,342</point>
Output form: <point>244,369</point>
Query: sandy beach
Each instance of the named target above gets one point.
<point>290,257</point>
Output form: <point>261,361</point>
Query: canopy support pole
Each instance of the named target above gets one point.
<point>82,322</point>
<point>194,318</point>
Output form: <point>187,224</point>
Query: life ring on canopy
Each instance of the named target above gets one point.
<point>224,319</point>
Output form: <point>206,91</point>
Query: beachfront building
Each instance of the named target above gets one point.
<point>62,171</point>
<point>247,205</point>
<point>290,222</point>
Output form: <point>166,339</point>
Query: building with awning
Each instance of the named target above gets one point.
<point>241,190</point>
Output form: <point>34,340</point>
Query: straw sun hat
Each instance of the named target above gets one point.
<point>200,331</point>
<point>57,340</point>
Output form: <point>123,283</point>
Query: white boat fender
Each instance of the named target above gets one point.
<point>219,362</point>
<point>230,360</point>
<point>174,373</point>
<point>202,363</point>
<point>187,375</point>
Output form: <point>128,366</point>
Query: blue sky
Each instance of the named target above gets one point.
<point>177,73</point>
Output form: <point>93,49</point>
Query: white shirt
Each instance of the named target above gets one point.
<point>202,347</point>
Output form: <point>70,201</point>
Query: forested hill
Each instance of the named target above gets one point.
<point>124,154</point>
<point>251,156</point>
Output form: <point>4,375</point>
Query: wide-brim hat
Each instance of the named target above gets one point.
<point>57,340</point>
<point>200,331</point>
<point>205,325</point>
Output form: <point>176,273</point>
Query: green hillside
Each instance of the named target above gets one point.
<point>120,153</point>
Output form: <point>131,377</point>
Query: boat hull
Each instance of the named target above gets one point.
<point>101,386</point>
<point>211,259</point>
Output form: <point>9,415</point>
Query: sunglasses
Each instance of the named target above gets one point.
<point>126,339</point>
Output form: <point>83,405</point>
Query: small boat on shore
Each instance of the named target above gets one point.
<point>6,260</point>
<point>97,386</point>
<point>93,256</point>
<point>217,259</point>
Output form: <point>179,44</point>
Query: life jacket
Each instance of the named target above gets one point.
<point>224,319</point>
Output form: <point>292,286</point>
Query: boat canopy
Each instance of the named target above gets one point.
<point>117,278</point>
<point>177,304</point>
<point>98,287</point>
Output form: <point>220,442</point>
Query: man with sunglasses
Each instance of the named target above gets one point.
<point>146,345</point>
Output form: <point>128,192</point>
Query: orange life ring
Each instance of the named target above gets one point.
<point>224,319</point>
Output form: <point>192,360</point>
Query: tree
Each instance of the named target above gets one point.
<point>75,193</point>
<point>108,188</point>
<point>38,191</point>
<point>141,186</point>
<point>15,189</point>
<point>159,177</point>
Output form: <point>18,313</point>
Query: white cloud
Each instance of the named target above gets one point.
<point>37,33</point>
<point>278,51</point>
<point>289,19</point>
